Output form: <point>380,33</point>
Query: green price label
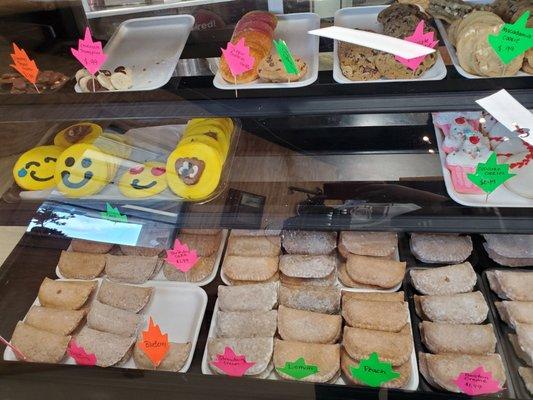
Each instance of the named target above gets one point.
<point>373,372</point>
<point>113,214</point>
<point>490,175</point>
<point>286,57</point>
<point>298,369</point>
<point>513,39</point>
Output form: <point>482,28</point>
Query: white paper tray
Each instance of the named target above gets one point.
<point>412,384</point>
<point>338,282</point>
<point>501,197</point>
<point>453,53</point>
<point>293,29</point>
<point>366,18</point>
<point>178,309</point>
<point>150,46</point>
<point>160,277</point>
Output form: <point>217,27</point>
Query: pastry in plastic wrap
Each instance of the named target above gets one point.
<point>73,265</point>
<point>109,349</point>
<point>246,324</point>
<point>389,316</point>
<point>38,345</point>
<point>260,297</point>
<point>511,285</point>
<point>453,279</point>
<point>463,308</point>
<point>294,325</point>
<point>308,242</point>
<point>440,248</point>
<point>441,337</point>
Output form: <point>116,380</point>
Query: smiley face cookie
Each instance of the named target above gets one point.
<point>34,170</point>
<point>193,170</point>
<point>84,132</point>
<point>143,180</point>
<point>82,170</point>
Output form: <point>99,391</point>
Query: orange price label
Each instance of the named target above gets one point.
<point>24,65</point>
<point>154,343</point>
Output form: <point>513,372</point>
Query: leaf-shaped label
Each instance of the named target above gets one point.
<point>24,65</point>
<point>232,364</point>
<point>513,39</point>
<point>89,53</point>
<point>181,257</point>
<point>238,57</point>
<point>154,343</point>
<point>490,175</point>
<point>79,354</point>
<point>373,372</point>
<point>298,369</point>
<point>477,382</point>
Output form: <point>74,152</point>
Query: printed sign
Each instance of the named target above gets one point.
<point>477,382</point>
<point>425,39</point>
<point>154,343</point>
<point>373,372</point>
<point>24,65</point>
<point>79,354</point>
<point>181,257</point>
<point>490,175</point>
<point>238,57</point>
<point>232,364</point>
<point>513,39</point>
<point>90,54</point>
<point>298,369</point>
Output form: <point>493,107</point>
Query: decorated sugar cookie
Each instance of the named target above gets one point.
<point>193,170</point>
<point>82,170</point>
<point>84,132</point>
<point>143,180</point>
<point>34,170</point>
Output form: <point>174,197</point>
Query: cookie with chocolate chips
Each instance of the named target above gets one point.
<point>271,69</point>
<point>357,62</point>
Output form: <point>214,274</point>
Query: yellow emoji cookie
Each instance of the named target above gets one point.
<point>207,140</point>
<point>34,170</point>
<point>213,130</point>
<point>143,180</point>
<point>84,132</point>
<point>193,170</point>
<point>82,170</point>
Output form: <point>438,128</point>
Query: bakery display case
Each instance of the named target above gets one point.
<point>216,202</point>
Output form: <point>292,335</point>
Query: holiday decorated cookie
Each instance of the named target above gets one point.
<point>143,180</point>
<point>84,132</point>
<point>34,170</point>
<point>82,170</point>
<point>193,170</point>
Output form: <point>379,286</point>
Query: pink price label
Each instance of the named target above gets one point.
<point>79,354</point>
<point>418,37</point>
<point>89,53</point>
<point>232,364</point>
<point>238,57</point>
<point>477,382</point>
<point>181,257</point>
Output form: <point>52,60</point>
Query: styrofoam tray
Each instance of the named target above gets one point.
<point>338,282</point>
<point>366,18</point>
<point>160,277</point>
<point>412,384</point>
<point>150,46</point>
<point>501,197</point>
<point>293,29</point>
<point>177,309</point>
<point>453,53</point>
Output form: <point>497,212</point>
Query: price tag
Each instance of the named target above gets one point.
<point>298,369</point>
<point>477,382</point>
<point>238,57</point>
<point>419,37</point>
<point>24,65</point>
<point>113,214</point>
<point>79,354</point>
<point>90,54</point>
<point>286,57</point>
<point>181,257</point>
<point>373,372</point>
<point>490,175</point>
<point>154,343</point>
<point>232,364</point>
<point>513,39</point>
